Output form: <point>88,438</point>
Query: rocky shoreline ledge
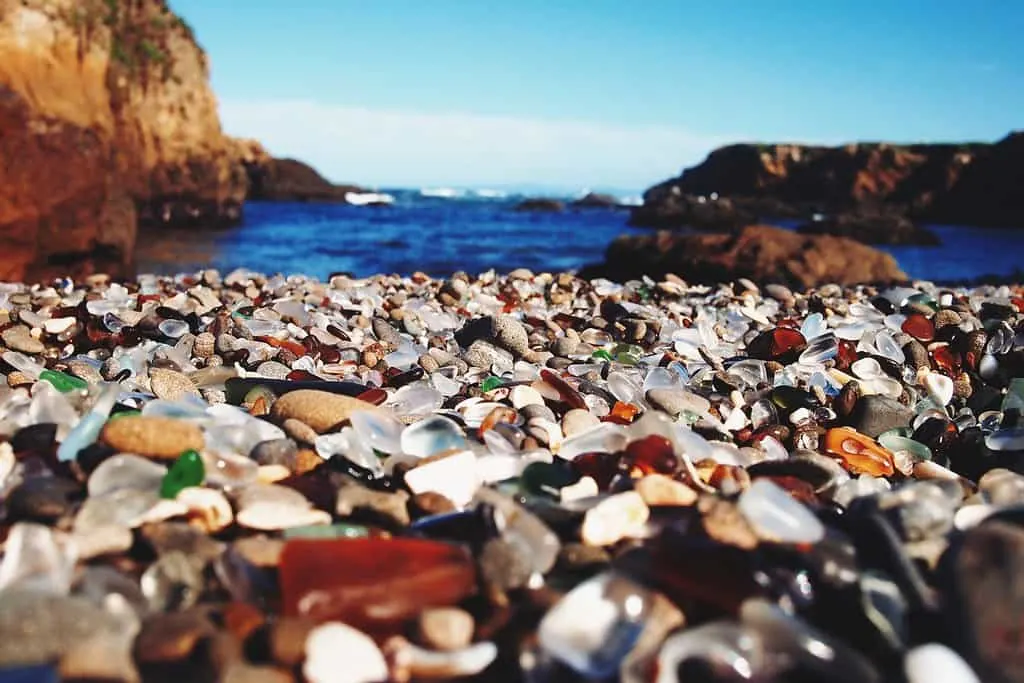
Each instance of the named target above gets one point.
<point>500,478</point>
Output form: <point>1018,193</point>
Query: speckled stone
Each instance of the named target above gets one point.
<point>160,438</point>
<point>321,410</point>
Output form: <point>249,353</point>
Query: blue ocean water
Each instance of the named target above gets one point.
<point>440,235</point>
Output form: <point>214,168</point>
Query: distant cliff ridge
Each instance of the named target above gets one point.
<point>971,183</point>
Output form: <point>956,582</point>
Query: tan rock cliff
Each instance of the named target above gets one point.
<point>107,121</point>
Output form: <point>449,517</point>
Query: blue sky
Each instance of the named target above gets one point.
<point>576,93</point>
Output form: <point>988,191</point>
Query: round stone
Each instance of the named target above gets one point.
<point>320,410</point>
<point>171,385</point>
<point>160,438</point>
<point>445,628</point>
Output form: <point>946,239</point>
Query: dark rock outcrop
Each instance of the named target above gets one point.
<point>273,179</point>
<point>540,204</point>
<point>971,183</point>
<point>678,210</point>
<point>989,191</point>
<point>761,253</point>
<point>876,228</point>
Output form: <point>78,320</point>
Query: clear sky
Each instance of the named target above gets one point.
<point>578,93</point>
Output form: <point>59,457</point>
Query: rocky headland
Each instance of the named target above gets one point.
<point>971,183</point>
<point>110,126</point>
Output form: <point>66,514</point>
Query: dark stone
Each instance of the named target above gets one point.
<point>38,438</point>
<point>474,330</point>
<point>987,573</point>
<point>873,415</point>
<point>40,499</point>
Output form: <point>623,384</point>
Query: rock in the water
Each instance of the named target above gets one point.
<point>936,663</point>
<point>759,252</point>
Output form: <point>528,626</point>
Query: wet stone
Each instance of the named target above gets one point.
<point>19,338</point>
<point>67,623</point>
<point>41,499</point>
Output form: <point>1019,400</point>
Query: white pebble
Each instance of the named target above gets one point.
<point>338,653</point>
<point>935,663</point>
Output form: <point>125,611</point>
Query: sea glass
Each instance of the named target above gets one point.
<point>860,454</point>
<point>88,428</point>
<point>187,470</point>
<point>594,626</point>
<point>372,584</point>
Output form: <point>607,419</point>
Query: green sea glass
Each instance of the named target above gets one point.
<point>187,470</point>
<point>62,381</point>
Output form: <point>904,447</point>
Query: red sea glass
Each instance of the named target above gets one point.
<point>919,327</point>
<point>847,354</point>
<point>652,454</point>
<point>568,394</point>
<point>372,584</point>
<point>778,344</point>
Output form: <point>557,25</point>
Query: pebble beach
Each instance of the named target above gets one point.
<point>523,477</point>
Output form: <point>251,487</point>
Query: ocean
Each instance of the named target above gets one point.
<point>443,232</point>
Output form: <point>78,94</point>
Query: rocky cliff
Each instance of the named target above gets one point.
<point>107,121</point>
<point>944,183</point>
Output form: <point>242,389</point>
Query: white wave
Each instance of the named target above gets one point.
<point>485,193</point>
<point>634,200</point>
<point>442,192</point>
<point>365,198</point>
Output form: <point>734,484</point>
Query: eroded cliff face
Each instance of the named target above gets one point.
<point>107,121</point>
<point>945,183</point>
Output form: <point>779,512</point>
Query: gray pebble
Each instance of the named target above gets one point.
<point>504,565</point>
<point>533,411</point>
<point>482,354</point>
<point>565,346</point>
<point>276,452</point>
<point>875,414</point>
